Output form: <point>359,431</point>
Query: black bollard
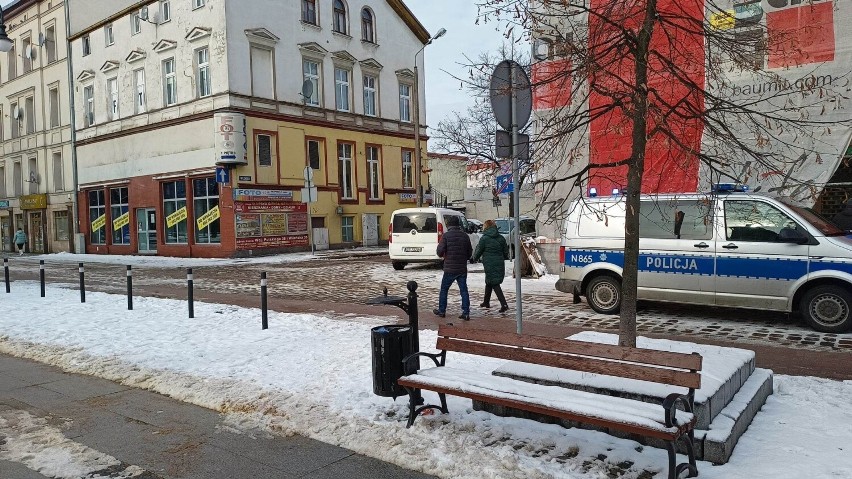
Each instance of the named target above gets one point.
<point>189,292</point>
<point>41,275</point>
<point>6,274</point>
<point>413,317</point>
<point>263,313</point>
<point>129,288</point>
<point>82,284</point>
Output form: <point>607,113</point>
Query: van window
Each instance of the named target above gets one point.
<point>675,219</point>
<point>421,222</point>
<point>754,221</point>
<point>503,226</point>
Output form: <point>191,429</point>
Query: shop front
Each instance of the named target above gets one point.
<point>5,226</point>
<point>269,221</point>
<point>35,209</point>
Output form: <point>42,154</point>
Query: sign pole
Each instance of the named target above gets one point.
<point>517,203</point>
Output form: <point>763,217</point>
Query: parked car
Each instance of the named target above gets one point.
<point>414,233</point>
<point>506,227</point>
<point>725,248</point>
<point>476,225</point>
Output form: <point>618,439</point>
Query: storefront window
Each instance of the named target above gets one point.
<point>174,211</point>
<point>60,225</point>
<point>205,193</point>
<point>347,229</point>
<point>118,202</point>
<point>97,221</point>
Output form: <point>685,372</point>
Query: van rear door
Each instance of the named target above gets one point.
<point>414,234</point>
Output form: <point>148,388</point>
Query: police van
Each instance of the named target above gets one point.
<point>726,248</point>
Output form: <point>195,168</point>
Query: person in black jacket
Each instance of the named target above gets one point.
<point>455,248</point>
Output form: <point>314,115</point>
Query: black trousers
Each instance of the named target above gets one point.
<point>497,290</point>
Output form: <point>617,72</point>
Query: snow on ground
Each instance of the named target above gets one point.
<point>310,375</point>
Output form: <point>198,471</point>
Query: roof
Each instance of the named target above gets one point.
<point>408,17</point>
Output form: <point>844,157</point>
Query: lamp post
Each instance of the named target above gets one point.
<point>5,43</point>
<point>417,154</point>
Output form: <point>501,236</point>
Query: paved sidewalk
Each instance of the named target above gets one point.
<point>84,420</point>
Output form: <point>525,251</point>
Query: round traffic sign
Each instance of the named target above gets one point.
<point>508,76</point>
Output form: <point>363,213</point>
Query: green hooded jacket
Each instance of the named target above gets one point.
<point>493,251</point>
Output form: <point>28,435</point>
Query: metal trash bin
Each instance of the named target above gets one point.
<point>391,343</point>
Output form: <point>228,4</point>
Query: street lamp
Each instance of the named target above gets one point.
<point>5,43</point>
<point>417,154</point>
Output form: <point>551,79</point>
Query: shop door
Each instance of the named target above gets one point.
<point>146,221</point>
<point>37,231</point>
<point>5,234</point>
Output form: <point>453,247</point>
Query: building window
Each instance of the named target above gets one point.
<point>165,11</point>
<point>197,4</point>
<point>407,170</point>
<point>17,179</point>
<point>58,172</point>
<point>370,96</point>
<point>60,225</point>
<point>53,98</point>
<point>373,172</point>
<point>262,79</point>
<point>368,34</point>
<point>26,44</point>
<point>29,113</point>
<point>109,36</point>
<point>118,206</point>
<point>16,120</point>
<point>404,102</point>
<point>169,82</point>
<point>89,106</point>
<point>13,62</point>
<point>135,24</point>
<point>112,91</point>
<point>347,229</point>
<point>205,194</point>
<point>202,60</point>
<point>97,209</point>
<point>311,71</point>
<point>33,175</point>
<point>314,154</point>
<point>174,203</point>
<point>50,43</point>
<point>86,45</point>
<point>341,89</point>
<point>339,17</point>
<point>344,155</point>
<point>3,182</point>
<point>309,11</point>
<point>263,149</point>
<point>139,76</point>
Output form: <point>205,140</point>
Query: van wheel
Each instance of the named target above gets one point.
<point>604,294</point>
<point>828,309</point>
<point>397,265</point>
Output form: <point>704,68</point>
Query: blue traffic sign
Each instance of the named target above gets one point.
<point>504,184</point>
<point>223,175</point>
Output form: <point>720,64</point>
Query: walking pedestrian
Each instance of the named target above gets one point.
<point>494,251</point>
<point>20,240</point>
<point>456,250</point>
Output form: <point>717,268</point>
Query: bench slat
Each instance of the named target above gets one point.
<point>645,356</point>
<point>549,411</point>
<point>578,363</point>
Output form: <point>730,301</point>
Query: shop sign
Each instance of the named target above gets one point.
<point>230,138</point>
<point>121,221</point>
<point>176,217</point>
<point>252,194</point>
<point>277,206</point>
<point>245,178</point>
<point>408,197</point>
<point>4,203</point>
<point>99,223</point>
<point>270,224</point>
<point>207,218</point>
<point>34,202</point>
<point>272,242</point>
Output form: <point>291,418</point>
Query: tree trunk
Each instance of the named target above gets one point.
<point>635,171</point>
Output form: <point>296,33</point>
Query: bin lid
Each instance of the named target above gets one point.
<point>387,328</point>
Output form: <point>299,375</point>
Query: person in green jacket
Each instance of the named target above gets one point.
<point>493,250</point>
<point>20,240</point>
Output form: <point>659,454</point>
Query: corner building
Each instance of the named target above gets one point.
<point>199,121</point>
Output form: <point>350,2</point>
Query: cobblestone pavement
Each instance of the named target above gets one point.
<point>353,280</point>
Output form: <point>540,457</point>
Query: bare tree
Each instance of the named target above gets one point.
<point>659,96</point>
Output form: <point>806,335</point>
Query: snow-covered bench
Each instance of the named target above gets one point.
<point>627,415</point>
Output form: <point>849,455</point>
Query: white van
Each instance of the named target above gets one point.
<point>414,233</point>
<point>727,248</point>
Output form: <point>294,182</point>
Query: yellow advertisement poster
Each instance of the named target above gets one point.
<point>99,223</point>
<point>274,224</point>
<point>176,217</point>
<point>207,218</point>
<point>121,221</point>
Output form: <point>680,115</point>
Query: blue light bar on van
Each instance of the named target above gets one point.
<point>615,192</point>
<point>729,188</point>
<point>593,192</point>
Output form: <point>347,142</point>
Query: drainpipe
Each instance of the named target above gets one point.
<point>73,127</point>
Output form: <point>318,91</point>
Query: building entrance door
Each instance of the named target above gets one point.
<point>146,221</point>
<point>37,230</point>
<point>5,234</point>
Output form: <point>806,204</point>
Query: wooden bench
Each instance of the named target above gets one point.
<point>627,415</point>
